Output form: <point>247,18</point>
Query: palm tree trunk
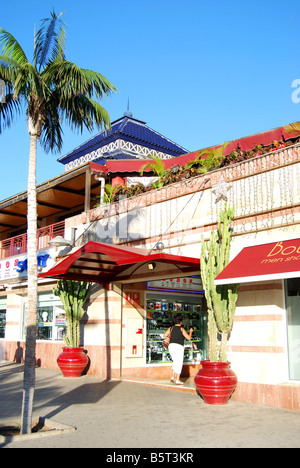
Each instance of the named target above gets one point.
<point>30,347</point>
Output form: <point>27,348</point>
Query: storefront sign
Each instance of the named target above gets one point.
<point>283,253</point>
<point>276,260</point>
<point>22,265</point>
<point>191,283</point>
<point>16,267</point>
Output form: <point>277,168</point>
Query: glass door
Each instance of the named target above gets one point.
<point>161,308</point>
<point>292,289</point>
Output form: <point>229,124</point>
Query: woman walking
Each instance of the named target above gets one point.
<point>177,335</point>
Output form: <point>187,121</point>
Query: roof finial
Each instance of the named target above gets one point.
<point>128,113</point>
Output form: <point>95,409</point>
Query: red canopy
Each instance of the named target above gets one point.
<point>103,263</point>
<point>263,262</point>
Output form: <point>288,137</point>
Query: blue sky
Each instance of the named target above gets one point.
<point>200,72</point>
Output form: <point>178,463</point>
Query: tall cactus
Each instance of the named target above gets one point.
<point>221,299</point>
<point>73,295</point>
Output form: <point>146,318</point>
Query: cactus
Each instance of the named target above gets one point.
<point>73,295</point>
<point>221,299</point>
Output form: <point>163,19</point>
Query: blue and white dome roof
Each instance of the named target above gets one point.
<point>128,138</point>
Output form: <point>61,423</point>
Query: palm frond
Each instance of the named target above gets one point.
<point>156,165</point>
<point>98,83</point>
<point>52,133</point>
<point>73,80</point>
<point>11,48</point>
<point>83,112</point>
<point>49,41</point>
<point>53,89</point>
<point>80,112</point>
<point>8,69</point>
<point>293,129</point>
<point>29,82</point>
<point>9,110</point>
<point>51,136</point>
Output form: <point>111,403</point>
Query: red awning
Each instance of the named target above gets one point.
<point>263,262</point>
<point>104,263</point>
<point>245,144</point>
<point>264,138</point>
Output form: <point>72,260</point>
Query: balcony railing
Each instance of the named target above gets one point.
<point>18,245</point>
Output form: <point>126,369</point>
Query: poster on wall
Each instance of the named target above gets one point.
<point>190,283</point>
<point>133,298</point>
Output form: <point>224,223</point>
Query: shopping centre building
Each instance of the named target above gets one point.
<point>142,254</point>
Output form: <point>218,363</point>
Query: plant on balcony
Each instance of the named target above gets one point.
<point>108,194</point>
<point>157,166</point>
<point>221,304</point>
<point>208,159</point>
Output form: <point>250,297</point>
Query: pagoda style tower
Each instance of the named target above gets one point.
<point>128,138</point>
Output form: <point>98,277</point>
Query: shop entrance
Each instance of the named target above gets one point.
<point>166,298</point>
<point>148,311</point>
<point>161,308</point>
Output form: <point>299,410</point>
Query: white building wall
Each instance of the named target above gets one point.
<point>266,195</point>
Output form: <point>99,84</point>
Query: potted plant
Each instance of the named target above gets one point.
<point>73,295</point>
<point>215,381</point>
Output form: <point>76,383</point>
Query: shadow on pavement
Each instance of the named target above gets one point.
<point>85,394</point>
<point>49,393</point>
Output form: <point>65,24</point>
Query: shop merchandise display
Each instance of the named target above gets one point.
<point>2,323</point>
<point>2,316</point>
<point>51,319</point>
<point>160,313</point>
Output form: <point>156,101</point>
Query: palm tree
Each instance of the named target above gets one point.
<point>51,90</point>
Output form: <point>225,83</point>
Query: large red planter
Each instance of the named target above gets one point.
<point>72,362</point>
<point>216,382</point>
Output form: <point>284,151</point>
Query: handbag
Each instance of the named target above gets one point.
<point>167,340</point>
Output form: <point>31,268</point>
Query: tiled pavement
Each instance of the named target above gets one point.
<point>126,414</point>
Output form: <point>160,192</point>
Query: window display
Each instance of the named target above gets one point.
<point>2,323</point>
<point>2,317</point>
<point>51,318</point>
<point>161,308</point>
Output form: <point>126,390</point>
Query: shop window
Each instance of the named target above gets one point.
<point>51,318</point>
<point>161,308</point>
<point>2,317</point>
<point>292,288</point>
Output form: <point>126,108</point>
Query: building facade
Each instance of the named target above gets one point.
<point>128,312</point>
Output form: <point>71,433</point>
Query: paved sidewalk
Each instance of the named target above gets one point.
<point>121,414</point>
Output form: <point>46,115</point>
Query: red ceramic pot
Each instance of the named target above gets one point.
<point>216,382</point>
<point>72,362</point>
